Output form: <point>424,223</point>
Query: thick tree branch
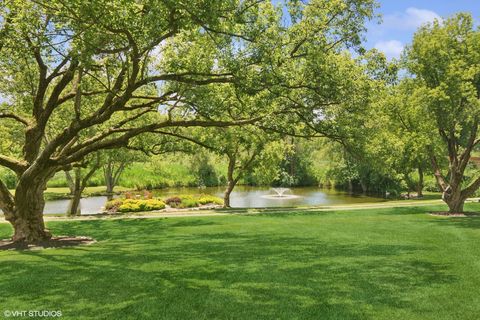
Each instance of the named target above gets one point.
<point>438,173</point>
<point>122,140</point>
<point>93,169</point>
<point>466,154</point>
<point>52,102</point>
<point>13,164</point>
<point>14,117</point>
<point>189,77</point>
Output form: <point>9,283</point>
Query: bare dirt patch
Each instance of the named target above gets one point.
<point>54,242</point>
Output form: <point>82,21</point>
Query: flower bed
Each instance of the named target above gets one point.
<point>134,205</point>
<point>125,205</point>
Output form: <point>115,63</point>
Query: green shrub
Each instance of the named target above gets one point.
<point>152,204</point>
<point>192,201</point>
<point>188,202</point>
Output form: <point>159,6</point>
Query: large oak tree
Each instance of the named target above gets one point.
<point>82,76</point>
<point>443,96</point>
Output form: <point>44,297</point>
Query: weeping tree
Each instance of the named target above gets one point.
<point>443,95</point>
<point>79,77</point>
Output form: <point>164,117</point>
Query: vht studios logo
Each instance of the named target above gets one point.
<point>32,313</point>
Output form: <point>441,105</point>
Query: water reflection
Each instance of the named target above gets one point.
<point>91,205</point>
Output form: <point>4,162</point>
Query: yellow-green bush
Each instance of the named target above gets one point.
<point>208,199</point>
<point>137,205</point>
<point>129,207</point>
<point>152,204</point>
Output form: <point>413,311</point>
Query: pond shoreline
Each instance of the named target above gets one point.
<point>208,212</point>
<point>241,197</point>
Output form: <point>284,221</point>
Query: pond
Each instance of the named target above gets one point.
<point>241,197</point>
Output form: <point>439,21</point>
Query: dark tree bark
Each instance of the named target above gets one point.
<point>25,209</point>
<point>454,200</point>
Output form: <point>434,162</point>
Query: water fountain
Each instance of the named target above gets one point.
<point>280,193</point>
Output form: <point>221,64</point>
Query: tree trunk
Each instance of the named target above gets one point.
<point>75,184</point>
<point>228,191</point>
<point>420,183</point>
<point>454,199</point>
<point>231,181</point>
<point>112,175</point>
<point>110,186</point>
<point>70,182</point>
<point>453,195</point>
<point>27,218</point>
<point>74,206</point>
<point>108,175</point>
<point>456,206</point>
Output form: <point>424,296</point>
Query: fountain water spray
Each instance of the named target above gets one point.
<point>280,193</point>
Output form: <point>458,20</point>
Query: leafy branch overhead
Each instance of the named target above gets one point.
<point>78,77</point>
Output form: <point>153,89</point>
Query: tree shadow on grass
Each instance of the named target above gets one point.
<point>192,223</point>
<point>147,270</point>
<point>469,222</point>
<point>282,212</point>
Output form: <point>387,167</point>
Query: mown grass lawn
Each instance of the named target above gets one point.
<point>365,264</point>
